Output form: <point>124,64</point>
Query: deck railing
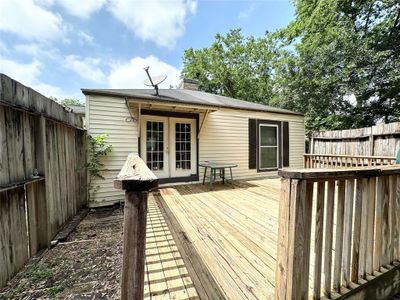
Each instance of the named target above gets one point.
<point>355,236</point>
<point>345,161</point>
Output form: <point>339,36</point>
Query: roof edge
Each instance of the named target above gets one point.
<point>167,99</point>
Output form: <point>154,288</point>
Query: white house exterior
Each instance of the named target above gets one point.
<point>176,130</point>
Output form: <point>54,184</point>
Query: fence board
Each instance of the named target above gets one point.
<point>13,233</point>
<point>378,140</point>
<point>347,232</point>
<point>369,264</point>
<point>4,170</point>
<point>319,237</point>
<point>36,133</point>
<point>15,145</point>
<point>361,229</point>
<point>339,235</point>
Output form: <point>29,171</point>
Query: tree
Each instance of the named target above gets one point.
<point>71,101</point>
<point>338,62</point>
<point>233,66</point>
<point>344,71</point>
<point>67,101</point>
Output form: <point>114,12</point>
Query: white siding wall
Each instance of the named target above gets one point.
<point>224,138</point>
<point>109,115</point>
<point>296,144</point>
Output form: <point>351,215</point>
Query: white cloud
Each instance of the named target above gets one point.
<point>3,47</point>
<point>81,9</point>
<point>31,49</point>
<point>131,74</point>
<point>27,74</point>
<point>87,68</point>
<point>86,38</point>
<point>49,90</point>
<point>244,14</point>
<point>160,21</point>
<point>30,21</point>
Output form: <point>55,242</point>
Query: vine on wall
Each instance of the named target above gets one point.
<point>97,149</point>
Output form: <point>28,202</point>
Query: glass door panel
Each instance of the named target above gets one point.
<point>183,147</point>
<point>154,144</point>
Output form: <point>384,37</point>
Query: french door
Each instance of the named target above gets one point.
<point>168,146</point>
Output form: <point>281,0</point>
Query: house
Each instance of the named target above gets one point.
<point>78,110</point>
<point>179,128</point>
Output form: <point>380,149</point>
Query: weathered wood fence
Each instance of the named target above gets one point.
<point>351,219</point>
<point>378,140</point>
<point>345,161</point>
<point>36,133</point>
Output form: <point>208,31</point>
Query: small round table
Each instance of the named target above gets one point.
<point>214,166</point>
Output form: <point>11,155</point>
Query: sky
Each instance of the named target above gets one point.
<point>58,47</point>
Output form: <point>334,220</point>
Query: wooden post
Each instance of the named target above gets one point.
<point>137,180</point>
<point>294,237</point>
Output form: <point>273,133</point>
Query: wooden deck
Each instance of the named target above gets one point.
<point>233,231</point>
<point>166,276</point>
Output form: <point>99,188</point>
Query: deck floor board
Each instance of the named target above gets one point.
<point>234,230</point>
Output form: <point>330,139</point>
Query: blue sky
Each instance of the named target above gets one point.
<point>60,46</point>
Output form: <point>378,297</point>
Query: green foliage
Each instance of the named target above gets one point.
<point>97,150</point>
<point>344,71</point>
<point>38,272</point>
<point>71,101</point>
<point>54,290</point>
<point>233,66</point>
<point>68,101</point>
<point>338,62</point>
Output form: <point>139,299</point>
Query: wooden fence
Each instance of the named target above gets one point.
<point>36,133</point>
<point>379,140</point>
<point>345,161</point>
<point>354,230</point>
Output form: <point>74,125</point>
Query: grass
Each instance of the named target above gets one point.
<point>38,272</point>
<point>54,290</point>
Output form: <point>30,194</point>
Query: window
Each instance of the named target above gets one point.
<point>183,146</point>
<point>155,145</point>
<point>268,147</point>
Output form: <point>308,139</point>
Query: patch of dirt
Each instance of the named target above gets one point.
<point>86,266</point>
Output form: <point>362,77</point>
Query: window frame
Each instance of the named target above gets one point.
<point>259,146</point>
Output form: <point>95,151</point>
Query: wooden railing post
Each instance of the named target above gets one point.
<point>294,238</point>
<point>137,180</point>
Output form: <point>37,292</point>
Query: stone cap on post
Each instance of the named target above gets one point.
<point>135,176</point>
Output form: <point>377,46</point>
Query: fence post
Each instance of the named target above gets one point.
<point>137,180</point>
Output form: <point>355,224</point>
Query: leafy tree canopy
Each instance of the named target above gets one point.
<point>233,66</point>
<point>338,62</point>
<point>68,101</point>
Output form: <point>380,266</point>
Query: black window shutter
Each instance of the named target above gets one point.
<point>285,144</point>
<point>252,144</point>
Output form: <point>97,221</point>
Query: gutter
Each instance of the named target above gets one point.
<point>171,100</point>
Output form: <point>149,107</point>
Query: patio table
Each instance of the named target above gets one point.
<point>214,167</point>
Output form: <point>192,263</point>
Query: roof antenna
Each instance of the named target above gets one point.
<point>154,82</point>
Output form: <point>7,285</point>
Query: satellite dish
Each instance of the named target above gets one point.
<point>155,81</point>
